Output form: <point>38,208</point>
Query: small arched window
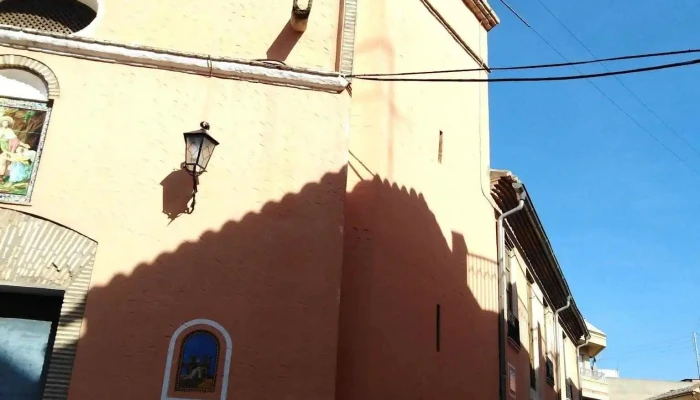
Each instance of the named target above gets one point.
<point>198,364</point>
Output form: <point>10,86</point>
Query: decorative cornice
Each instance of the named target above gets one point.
<point>142,56</point>
<point>484,13</point>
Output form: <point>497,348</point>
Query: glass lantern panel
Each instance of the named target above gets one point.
<point>192,149</point>
<point>207,149</point>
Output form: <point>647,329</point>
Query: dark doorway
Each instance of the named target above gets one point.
<point>28,323</point>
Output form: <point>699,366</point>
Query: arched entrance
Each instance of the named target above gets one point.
<point>45,271</point>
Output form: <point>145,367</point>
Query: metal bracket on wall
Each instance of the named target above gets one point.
<point>300,17</point>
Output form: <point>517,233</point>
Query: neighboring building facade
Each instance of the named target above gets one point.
<point>544,326</point>
<point>634,389</point>
<point>691,392</point>
<point>594,384</point>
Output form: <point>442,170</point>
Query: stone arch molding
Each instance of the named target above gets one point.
<point>32,65</point>
<point>206,324</point>
<point>38,253</point>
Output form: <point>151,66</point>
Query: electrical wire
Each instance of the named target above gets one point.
<point>632,93</point>
<point>616,105</point>
<point>646,353</point>
<point>537,66</point>
<point>666,342</point>
<point>536,79</point>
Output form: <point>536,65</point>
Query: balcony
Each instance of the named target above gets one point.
<point>593,384</point>
<point>514,329</point>
<point>597,342</point>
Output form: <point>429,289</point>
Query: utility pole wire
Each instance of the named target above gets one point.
<point>614,103</point>
<point>697,356</point>
<point>537,79</point>
<point>515,13</point>
<point>537,66</point>
<point>642,102</point>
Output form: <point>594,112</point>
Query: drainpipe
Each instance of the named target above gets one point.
<point>562,394</point>
<point>586,339</point>
<point>300,16</point>
<point>501,250</point>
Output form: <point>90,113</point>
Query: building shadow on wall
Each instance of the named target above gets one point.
<point>273,279</point>
<point>283,44</point>
<point>177,193</point>
<point>399,269</point>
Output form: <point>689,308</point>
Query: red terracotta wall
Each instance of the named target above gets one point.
<point>397,268</point>
<point>520,359</point>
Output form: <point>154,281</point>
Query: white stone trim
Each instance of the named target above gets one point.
<point>99,7</point>
<point>141,56</point>
<point>35,66</point>
<point>171,354</point>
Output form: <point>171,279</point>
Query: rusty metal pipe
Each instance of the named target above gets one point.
<point>300,16</point>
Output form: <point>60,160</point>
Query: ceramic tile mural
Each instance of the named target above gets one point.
<point>22,132</point>
<point>198,363</point>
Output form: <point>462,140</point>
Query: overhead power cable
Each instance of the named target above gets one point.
<point>619,107</point>
<point>627,88</point>
<point>536,66</point>
<point>535,79</point>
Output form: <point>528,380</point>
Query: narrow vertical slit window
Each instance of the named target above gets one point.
<point>437,328</point>
<point>440,148</point>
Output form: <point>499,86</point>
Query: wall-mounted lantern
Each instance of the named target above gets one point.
<point>199,146</point>
<point>300,16</point>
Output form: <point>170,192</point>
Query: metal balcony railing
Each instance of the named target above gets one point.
<point>591,374</point>
<point>549,369</point>
<point>513,328</point>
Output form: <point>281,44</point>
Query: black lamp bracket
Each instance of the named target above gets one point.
<point>195,174</point>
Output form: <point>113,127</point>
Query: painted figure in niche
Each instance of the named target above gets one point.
<point>197,367</point>
<point>21,161</point>
<point>22,126</point>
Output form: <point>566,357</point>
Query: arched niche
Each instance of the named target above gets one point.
<point>24,73</point>
<point>40,256</point>
<point>198,362</point>
<point>22,84</point>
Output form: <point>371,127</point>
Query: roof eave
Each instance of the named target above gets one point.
<point>526,224</point>
<point>484,13</point>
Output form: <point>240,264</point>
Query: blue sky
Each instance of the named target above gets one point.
<point>618,207</point>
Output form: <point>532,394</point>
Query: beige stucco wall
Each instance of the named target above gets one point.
<point>239,29</point>
<point>265,237</point>
<point>396,125</point>
<point>395,131</point>
<point>105,106</point>
<point>572,371</point>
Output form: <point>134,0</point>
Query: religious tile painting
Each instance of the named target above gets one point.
<point>198,363</point>
<point>22,132</point>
